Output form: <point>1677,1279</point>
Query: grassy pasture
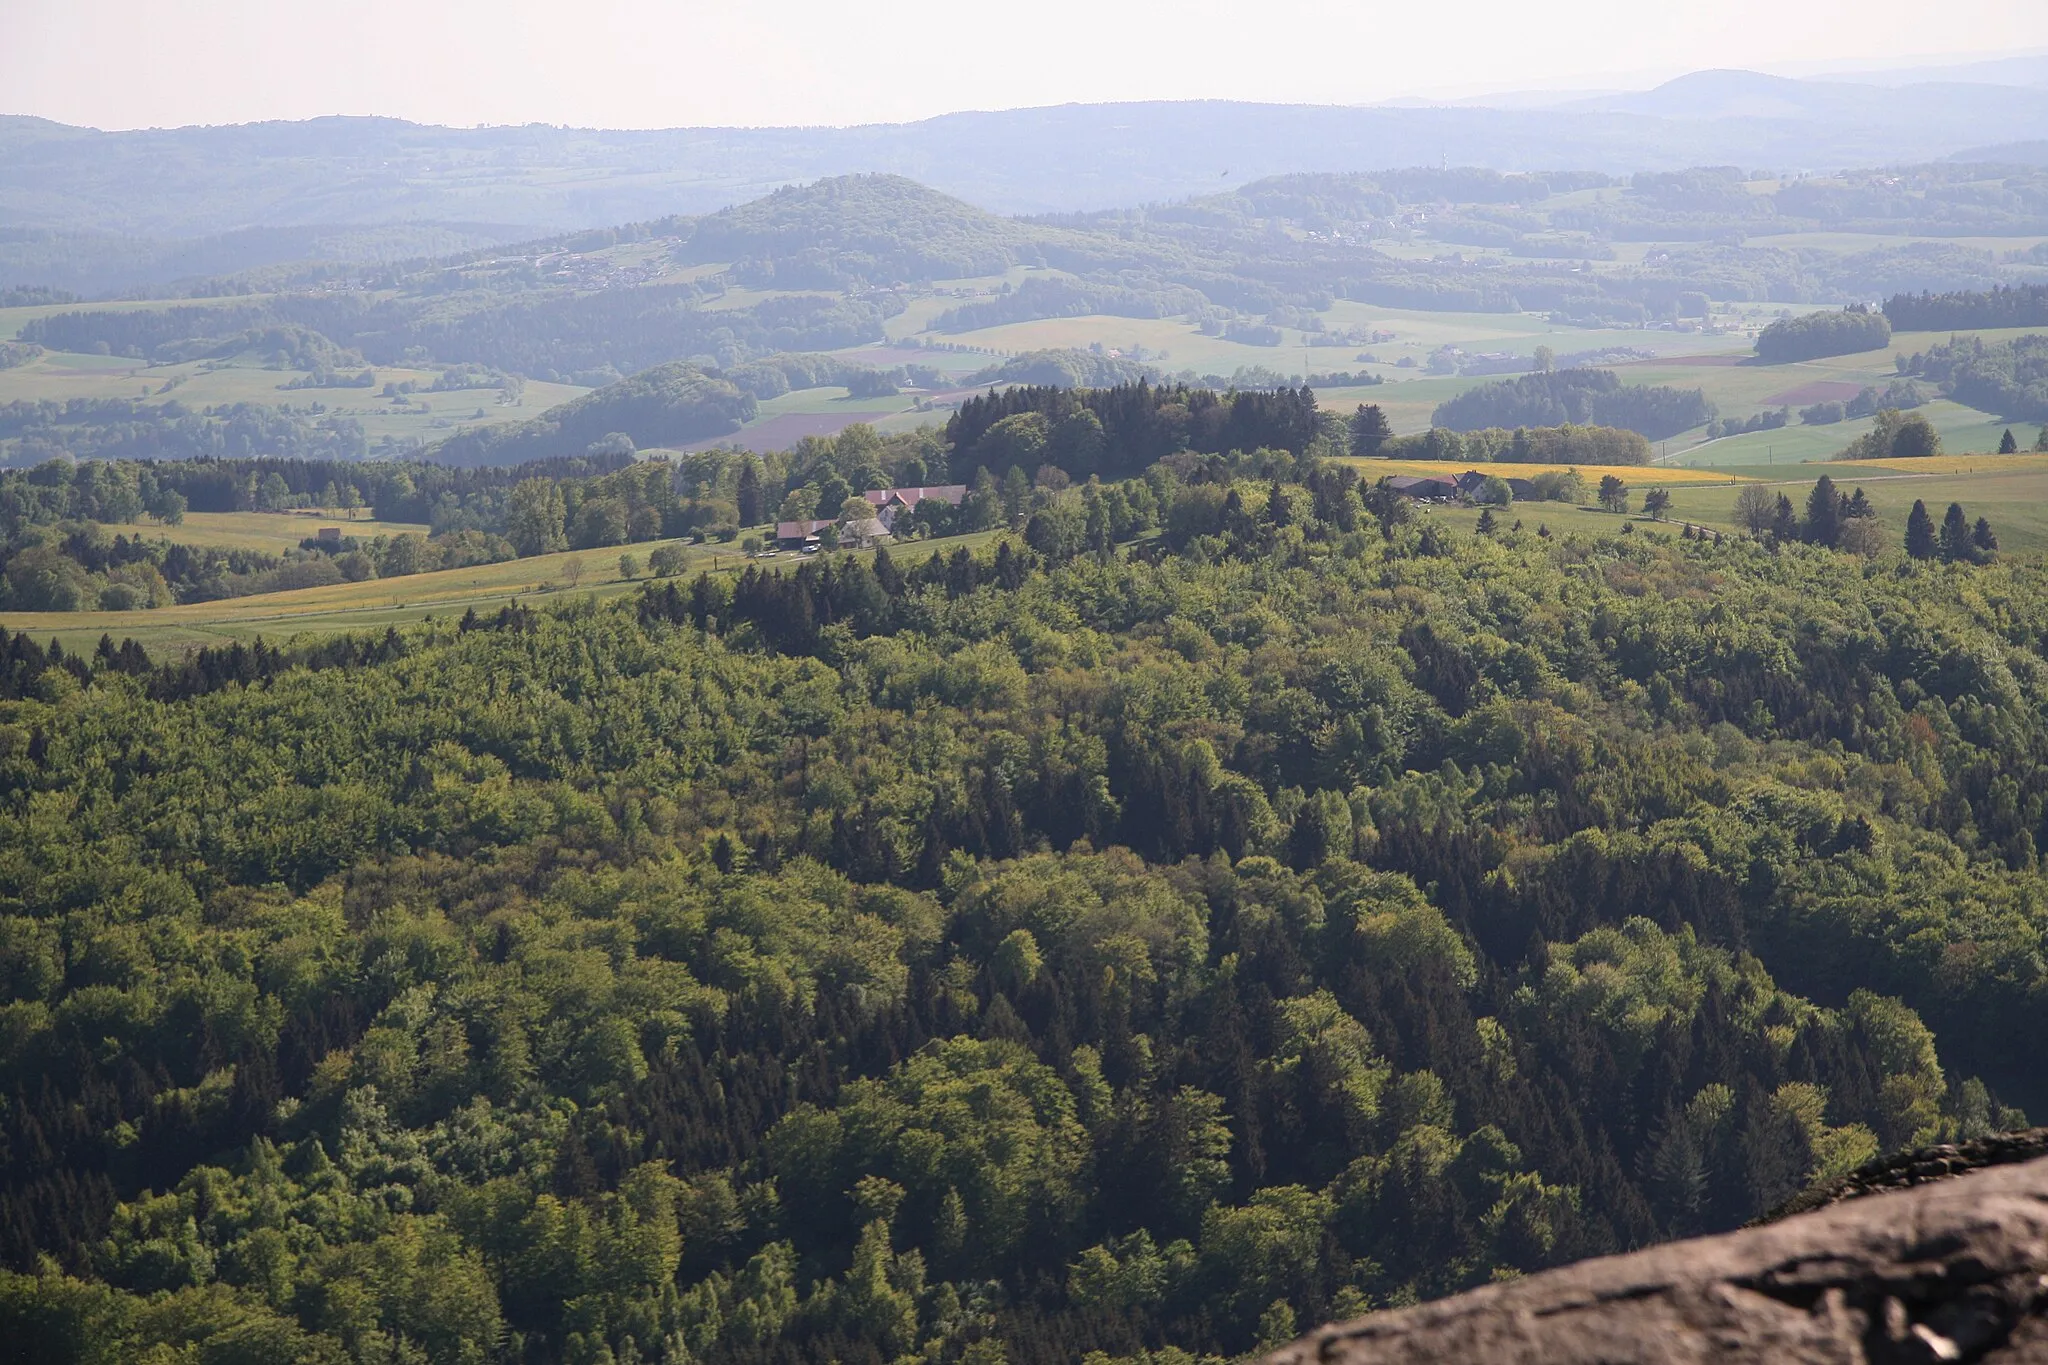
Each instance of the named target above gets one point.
<point>60,376</point>
<point>353,606</point>
<point>270,532</point>
<point>1635,475</point>
<point>783,420</point>
<point>395,601</point>
<point>1963,431</point>
<point>2015,500</point>
<point>12,320</point>
<point>1738,390</point>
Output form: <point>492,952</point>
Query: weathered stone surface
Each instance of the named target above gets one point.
<point>1952,1267</point>
<point>1904,1170</point>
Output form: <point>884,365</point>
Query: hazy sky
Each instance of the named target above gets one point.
<point>660,63</point>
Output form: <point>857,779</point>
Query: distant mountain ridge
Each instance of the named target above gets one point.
<point>200,182</point>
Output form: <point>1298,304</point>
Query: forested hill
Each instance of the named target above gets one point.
<point>1105,942</point>
<point>875,227</point>
<point>826,266</point>
<point>1074,157</point>
<point>666,405</point>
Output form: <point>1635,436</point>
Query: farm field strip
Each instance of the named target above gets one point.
<point>1633,474</point>
<point>388,601</point>
<point>267,531</point>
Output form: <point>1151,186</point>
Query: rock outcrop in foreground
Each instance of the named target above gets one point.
<point>1942,1256</point>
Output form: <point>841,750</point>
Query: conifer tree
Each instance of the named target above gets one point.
<point>1920,532</point>
<point>1955,535</point>
<point>1784,521</point>
<point>1824,513</point>
<point>2008,444</point>
<point>1369,430</point>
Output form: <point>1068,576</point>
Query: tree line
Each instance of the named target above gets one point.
<point>1582,397</point>
<point>2014,305</point>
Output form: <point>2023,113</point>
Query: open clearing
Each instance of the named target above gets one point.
<point>354,606</point>
<point>1963,431</point>
<point>270,532</point>
<point>1635,475</point>
<point>62,376</point>
<point>1816,391</point>
<point>2014,500</point>
<point>382,602</point>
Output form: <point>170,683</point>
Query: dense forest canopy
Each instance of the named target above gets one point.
<point>1096,941</point>
<point>668,405</point>
<point>1810,336</point>
<point>2008,378</point>
<point>2023,305</point>
<point>1582,396</point>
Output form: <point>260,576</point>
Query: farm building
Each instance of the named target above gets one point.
<point>795,533</point>
<point>1467,485</point>
<point>861,535</point>
<point>891,503</point>
<point>1422,486</point>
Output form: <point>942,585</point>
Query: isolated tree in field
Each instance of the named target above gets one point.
<point>1369,430</point>
<point>572,572</point>
<point>1485,526</point>
<point>1955,535</point>
<point>750,494</point>
<point>1753,508</point>
<point>1546,360</point>
<point>629,566</point>
<point>1895,435</point>
<point>1657,502</point>
<point>2041,442</point>
<point>1613,493</point>
<point>1920,540</point>
<point>2008,444</point>
<point>1983,537</point>
<point>1916,439</point>
<point>666,561</point>
<point>1824,513</point>
<point>750,545</point>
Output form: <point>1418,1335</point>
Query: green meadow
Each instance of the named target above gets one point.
<point>2014,498</point>
<point>382,602</point>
